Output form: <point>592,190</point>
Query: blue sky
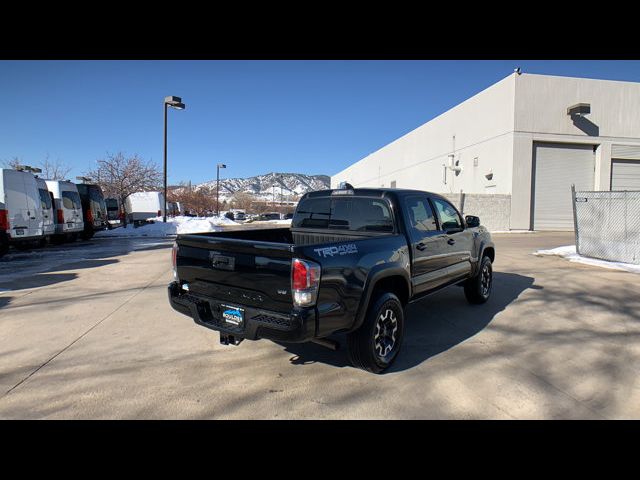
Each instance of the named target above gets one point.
<point>314,117</point>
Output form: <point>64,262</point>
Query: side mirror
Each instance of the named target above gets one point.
<point>472,221</point>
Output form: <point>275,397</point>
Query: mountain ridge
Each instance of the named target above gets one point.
<point>287,184</point>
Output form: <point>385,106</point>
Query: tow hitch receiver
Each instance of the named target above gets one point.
<point>230,339</point>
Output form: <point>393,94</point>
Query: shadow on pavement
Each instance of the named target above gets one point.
<point>33,268</point>
<point>39,280</point>
<point>433,325</point>
<point>4,301</point>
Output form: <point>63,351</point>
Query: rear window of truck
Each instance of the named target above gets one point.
<point>355,214</point>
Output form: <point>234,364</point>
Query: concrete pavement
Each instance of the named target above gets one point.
<point>556,340</point>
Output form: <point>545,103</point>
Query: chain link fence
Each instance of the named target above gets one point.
<point>607,225</point>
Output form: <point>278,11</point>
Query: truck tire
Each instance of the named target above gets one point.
<point>477,289</point>
<point>375,345</point>
<point>4,248</point>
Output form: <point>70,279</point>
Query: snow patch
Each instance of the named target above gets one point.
<point>174,226</point>
<point>569,252</point>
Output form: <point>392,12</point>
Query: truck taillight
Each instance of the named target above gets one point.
<point>4,220</point>
<point>174,261</point>
<point>60,216</point>
<point>159,213</point>
<point>305,279</point>
<point>89,216</point>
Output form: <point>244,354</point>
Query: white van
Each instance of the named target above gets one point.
<point>20,211</point>
<point>141,206</point>
<point>46,202</point>
<point>68,210</point>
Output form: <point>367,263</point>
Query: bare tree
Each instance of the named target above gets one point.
<point>242,200</point>
<point>14,163</point>
<point>199,201</point>
<point>57,170</point>
<point>120,176</point>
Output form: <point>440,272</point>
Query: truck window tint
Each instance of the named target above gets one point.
<point>71,200</point>
<point>45,199</point>
<point>421,215</point>
<point>356,214</point>
<point>449,218</point>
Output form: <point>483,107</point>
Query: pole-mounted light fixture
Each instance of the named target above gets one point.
<point>219,166</point>
<point>579,110</point>
<point>173,102</point>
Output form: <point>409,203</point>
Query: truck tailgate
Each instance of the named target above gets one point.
<point>240,271</point>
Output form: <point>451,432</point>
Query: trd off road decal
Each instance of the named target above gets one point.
<point>347,249</point>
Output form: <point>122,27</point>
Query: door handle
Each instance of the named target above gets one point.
<point>451,241</point>
<point>421,246</point>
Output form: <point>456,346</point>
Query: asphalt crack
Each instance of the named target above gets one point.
<point>82,335</point>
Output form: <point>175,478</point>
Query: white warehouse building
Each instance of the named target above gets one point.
<point>511,153</point>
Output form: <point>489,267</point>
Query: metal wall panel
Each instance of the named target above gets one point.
<point>625,174</point>
<point>626,152</point>
<point>556,167</point>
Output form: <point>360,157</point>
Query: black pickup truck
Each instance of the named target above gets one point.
<point>351,261</point>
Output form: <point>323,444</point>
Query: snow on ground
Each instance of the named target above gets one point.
<point>569,252</point>
<point>274,222</point>
<point>174,226</point>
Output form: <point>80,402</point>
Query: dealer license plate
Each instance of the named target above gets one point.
<point>233,315</point>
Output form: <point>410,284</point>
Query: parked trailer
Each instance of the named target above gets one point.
<point>142,206</point>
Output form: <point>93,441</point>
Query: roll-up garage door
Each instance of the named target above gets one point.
<point>625,174</point>
<point>556,167</point>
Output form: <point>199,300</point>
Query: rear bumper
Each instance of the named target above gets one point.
<point>8,238</point>
<point>64,229</point>
<point>298,326</point>
<point>97,227</point>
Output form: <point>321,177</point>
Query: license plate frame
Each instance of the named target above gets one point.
<point>232,315</point>
<point>19,231</point>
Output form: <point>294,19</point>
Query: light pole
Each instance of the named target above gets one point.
<point>174,102</point>
<point>220,165</point>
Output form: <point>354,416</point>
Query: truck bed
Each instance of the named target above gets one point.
<point>283,235</point>
<point>250,267</point>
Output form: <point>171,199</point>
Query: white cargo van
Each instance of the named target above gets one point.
<point>46,202</point>
<point>20,212</point>
<point>68,210</point>
<point>142,206</point>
